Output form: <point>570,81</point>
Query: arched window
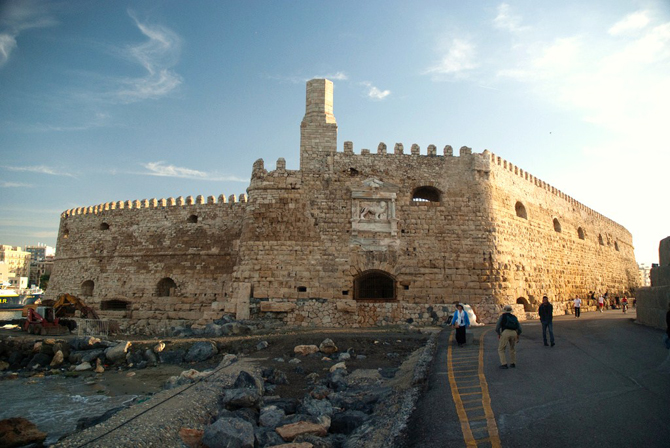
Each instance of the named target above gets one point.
<point>87,288</point>
<point>526,304</point>
<point>66,233</point>
<point>557,225</point>
<point>166,287</point>
<point>580,233</point>
<point>104,226</point>
<point>426,194</point>
<point>193,219</point>
<point>374,285</point>
<point>600,240</point>
<point>521,210</point>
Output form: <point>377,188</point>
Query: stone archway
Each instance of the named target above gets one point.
<point>374,285</point>
<point>526,304</point>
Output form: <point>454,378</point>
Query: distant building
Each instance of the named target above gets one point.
<point>40,252</point>
<point>17,260</point>
<point>18,282</point>
<point>40,268</point>
<point>644,270</point>
<point>4,273</point>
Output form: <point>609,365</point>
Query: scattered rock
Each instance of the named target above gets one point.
<point>192,438</point>
<point>39,360</point>
<point>305,350</point>
<point>240,398</point>
<point>57,359</point>
<point>87,422</point>
<point>98,366</point>
<point>346,422</point>
<point>229,433</point>
<point>83,366</point>
<point>316,408</point>
<point>271,416</point>
<point>294,361</point>
<point>262,345</point>
<point>150,357</point>
<point>172,356</point>
<point>288,405</point>
<point>85,343</point>
<point>339,365</point>
<point>201,351</point>
<point>245,380</point>
<point>293,430</point>
<point>4,365</point>
<point>118,352</point>
<point>327,346</point>
<point>185,377</point>
<point>91,355</point>
<point>159,347</point>
<point>18,431</point>
<point>267,437</point>
<point>343,356</point>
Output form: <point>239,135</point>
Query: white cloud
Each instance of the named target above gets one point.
<point>507,21</point>
<point>375,93</point>
<point>5,184</point>
<point>40,169</point>
<point>18,17</point>
<point>631,22</point>
<point>459,58</point>
<point>339,76</point>
<point>157,56</point>
<point>162,170</point>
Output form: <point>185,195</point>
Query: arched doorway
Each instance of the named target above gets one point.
<point>374,285</point>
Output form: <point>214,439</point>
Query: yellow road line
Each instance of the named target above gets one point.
<point>494,437</point>
<point>462,416</point>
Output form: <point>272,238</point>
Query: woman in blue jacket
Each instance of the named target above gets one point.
<point>460,321</point>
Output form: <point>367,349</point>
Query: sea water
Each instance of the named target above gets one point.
<point>56,403</point>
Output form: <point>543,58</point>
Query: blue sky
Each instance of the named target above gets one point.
<point>107,101</point>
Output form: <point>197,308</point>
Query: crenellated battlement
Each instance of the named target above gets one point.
<point>154,203</point>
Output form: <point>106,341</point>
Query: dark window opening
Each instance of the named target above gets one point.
<point>302,288</point>
<point>600,240</point>
<point>87,288</point>
<point>166,287</point>
<point>426,194</point>
<point>345,293</point>
<point>557,225</point>
<point>580,233</point>
<point>193,219</point>
<point>616,246</point>
<point>104,226</point>
<point>521,210</point>
<point>66,233</point>
<point>374,285</point>
<point>114,305</point>
<point>526,305</point>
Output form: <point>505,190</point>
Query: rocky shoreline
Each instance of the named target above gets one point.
<point>261,391</point>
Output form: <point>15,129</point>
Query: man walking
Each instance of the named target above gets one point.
<point>601,303</point>
<point>546,311</point>
<point>508,329</point>
<point>578,306</point>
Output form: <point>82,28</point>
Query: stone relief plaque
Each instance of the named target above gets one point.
<point>373,219</point>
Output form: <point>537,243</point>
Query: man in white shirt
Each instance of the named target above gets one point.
<point>601,303</point>
<point>578,306</point>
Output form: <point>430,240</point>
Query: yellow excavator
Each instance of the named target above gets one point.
<point>66,305</point>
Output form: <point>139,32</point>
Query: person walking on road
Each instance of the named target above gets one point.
<point>624,304</point>
<point>508,329</point>
<point>601,303</point>
<point>578,306</point>
<point>460,321</point>
<point>546,311</point>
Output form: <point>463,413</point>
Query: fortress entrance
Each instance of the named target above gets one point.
<point>375,285</point>
<point>526,305</point>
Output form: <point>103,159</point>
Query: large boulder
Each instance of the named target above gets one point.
<point>271,416</point>
<point>18,431</point>
<point>91,355</point>
<point>316,408</point>
<point>293,430</point>
<point>172,356</point>
<point>229,432</point>
<point>246,380</point>
<point>117,353</point>
<point>288,405</point>
<point>85,343</point>
<point>240,398</point>
<point>267,437</point>
<point>57,359</point>
<point>235,328</point>
<point>201,351</point>
<point>39,360</point>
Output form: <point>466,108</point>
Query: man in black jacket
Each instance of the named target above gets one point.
<point>546,311</point>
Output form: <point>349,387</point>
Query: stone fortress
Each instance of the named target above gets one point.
<point>367,239</point>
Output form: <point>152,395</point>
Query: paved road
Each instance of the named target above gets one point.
<point>602,385</point>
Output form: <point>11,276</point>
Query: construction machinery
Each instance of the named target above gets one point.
<point>66,305</point>
<point>42,320</point>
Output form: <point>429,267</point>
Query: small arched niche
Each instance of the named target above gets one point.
<point>557,225</point>
<point>426,194</point>
<point>87,288</point>
<point>616,246</point>
<point>66,233</point>
<point>600,240</point>
<point>192,219</point>
<point>526,304</point>
<point>580,233</point>
<point>520,210</point>
<point>166,287</point>
<point>374,285</point>
<point>104,226</point>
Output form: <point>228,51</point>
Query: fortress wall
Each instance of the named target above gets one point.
<point>126,248</point>
<point>298,242</point>
<point>535,259</point>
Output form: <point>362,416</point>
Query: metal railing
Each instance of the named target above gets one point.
<point>92,327</point>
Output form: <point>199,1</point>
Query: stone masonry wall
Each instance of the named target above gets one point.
<point>123,250</point>
<point>561,248</point>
